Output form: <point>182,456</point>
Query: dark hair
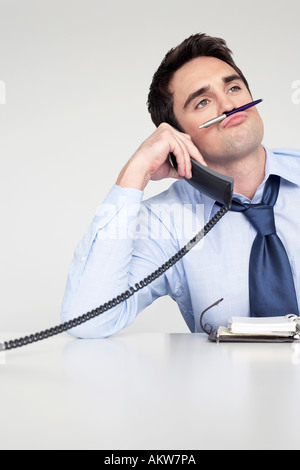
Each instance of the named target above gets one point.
<point>160,100</point>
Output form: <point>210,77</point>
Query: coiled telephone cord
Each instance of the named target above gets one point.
<point>17,343</point>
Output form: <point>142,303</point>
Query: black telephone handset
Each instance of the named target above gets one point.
<point>211,183</point>
<point>214,185</point>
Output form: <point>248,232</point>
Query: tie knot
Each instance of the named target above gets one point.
<point>261,217</point>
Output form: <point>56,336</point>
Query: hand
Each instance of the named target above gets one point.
<point>151,162</point>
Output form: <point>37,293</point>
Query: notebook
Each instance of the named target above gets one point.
<point>267,329</point>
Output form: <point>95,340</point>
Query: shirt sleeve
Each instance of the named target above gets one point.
<point>124,243</point>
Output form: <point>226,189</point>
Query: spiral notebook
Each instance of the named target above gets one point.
<point>267,329</point>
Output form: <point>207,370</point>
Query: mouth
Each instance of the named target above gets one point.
<point>234,120</point>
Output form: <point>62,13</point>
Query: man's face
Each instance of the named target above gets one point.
<point>205,88</point>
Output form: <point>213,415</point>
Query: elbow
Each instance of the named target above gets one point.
<point>95,325</point>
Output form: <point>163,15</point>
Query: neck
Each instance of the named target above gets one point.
<point>248,172</point>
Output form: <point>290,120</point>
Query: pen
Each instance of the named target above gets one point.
<point>225,115</point>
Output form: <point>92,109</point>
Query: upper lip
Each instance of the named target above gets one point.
<point>226,121</point>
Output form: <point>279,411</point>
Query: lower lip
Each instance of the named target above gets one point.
<point>234,120</point>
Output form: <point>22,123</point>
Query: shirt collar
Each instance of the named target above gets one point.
<point>278,162</point>
<point>281,162</point>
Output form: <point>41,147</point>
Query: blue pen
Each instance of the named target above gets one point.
<point>225,115</point>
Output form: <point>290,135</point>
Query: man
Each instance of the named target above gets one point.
<point>129,239</point>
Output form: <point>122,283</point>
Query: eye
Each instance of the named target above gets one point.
<point>234,88</point>
<point>202,103</point>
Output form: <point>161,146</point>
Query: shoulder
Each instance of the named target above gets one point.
<point>286,152</point>
<point>179,192</point>
<point>285,163</point>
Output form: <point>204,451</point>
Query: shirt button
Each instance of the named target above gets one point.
<point>83,258</point>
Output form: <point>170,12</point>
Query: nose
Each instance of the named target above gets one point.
<point>226,104</point>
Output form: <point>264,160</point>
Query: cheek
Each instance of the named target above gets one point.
<point>207,141</point>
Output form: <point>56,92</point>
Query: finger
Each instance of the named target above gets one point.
<point>183,159</point>
<point>192,149</point>
<point>174,174</point>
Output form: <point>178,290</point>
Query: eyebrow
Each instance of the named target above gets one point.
<point>205,89</point>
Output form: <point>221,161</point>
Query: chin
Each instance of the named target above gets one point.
<point>243,142</point>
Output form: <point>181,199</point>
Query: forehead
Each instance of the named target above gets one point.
<point>197,73</point>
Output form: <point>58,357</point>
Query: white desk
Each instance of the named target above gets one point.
<point>150,391</point>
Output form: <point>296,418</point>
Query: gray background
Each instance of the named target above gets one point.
<point>77,74</point>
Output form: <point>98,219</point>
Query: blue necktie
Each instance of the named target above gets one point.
<point>271,285</point>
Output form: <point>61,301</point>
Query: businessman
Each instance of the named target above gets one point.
<point>243,257</point>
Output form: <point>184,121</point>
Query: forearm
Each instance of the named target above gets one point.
<point>99,270</point>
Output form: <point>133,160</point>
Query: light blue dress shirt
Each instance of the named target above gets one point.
<point>130,238</point>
